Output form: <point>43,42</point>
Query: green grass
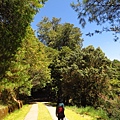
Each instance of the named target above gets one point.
<point>43,113</point>
<point>71,112</point>
<point>89,113</point>
<point>71,115</point>
<point>18,114</point>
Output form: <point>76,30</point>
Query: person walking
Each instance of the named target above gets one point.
<point>60,109</point>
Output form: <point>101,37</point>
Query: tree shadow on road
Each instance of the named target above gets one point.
<point>53,104</point>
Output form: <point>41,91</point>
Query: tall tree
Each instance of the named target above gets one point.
<point>36,57</point>
<point>28,69</point>
<point>99,11</point>
<point>15,16</point>
<point>86,73</point>
<point>57,35</point>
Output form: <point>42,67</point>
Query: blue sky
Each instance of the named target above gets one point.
<point>62,9</point>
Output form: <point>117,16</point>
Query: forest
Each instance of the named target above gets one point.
<point>53,62</point>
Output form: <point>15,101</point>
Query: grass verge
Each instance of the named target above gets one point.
<point>18,114</point>
<point>43,113</point>
<point>89,113</point>
<point>71,115</point>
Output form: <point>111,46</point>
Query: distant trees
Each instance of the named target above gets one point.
<point>100,12</point>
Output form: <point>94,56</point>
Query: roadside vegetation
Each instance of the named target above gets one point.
<point>18,114</point>
<point>71,115</point>
<point>88,113</point>
<point>71,112</point>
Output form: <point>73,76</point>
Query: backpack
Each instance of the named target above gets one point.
<point>60,112</point>
<point>60,109</point>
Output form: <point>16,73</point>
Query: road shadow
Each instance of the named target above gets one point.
<point>53,104</point>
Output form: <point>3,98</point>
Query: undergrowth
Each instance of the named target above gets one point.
<point>96,114</point>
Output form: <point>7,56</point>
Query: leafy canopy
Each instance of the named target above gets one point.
<point>56,35</point>
<point>15,17</point>
<point>99,11</point>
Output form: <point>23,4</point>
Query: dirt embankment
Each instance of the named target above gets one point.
<point>8,109</point>
<point>3,112</point>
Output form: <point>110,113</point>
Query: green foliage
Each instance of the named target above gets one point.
<point>62,37</point>
<point>56,35</point>
<point>18,114</point>
<point>36,57</point>
<point>112,107</point>
<point>59,65</point>
<point>16,78</point>
<point>116,67</point>
<point>100,12</point>
<point>90,111</point>
<point>28,69</point>
<point>56,69</point>
<point>15,17</point>
<point>85,73</point>
<point>115,83</point>
<point>17,74</point>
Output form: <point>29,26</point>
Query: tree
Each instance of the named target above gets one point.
<point>57,64</point>
<point>56,35</point>
<point>86,74</point>
<point>115,80</point>
<point>28,69</point>
<point>15,17</point>
<point>36,57</point>
<point>16,79</point>
<point>116,66</point>
<point>101,12</point>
